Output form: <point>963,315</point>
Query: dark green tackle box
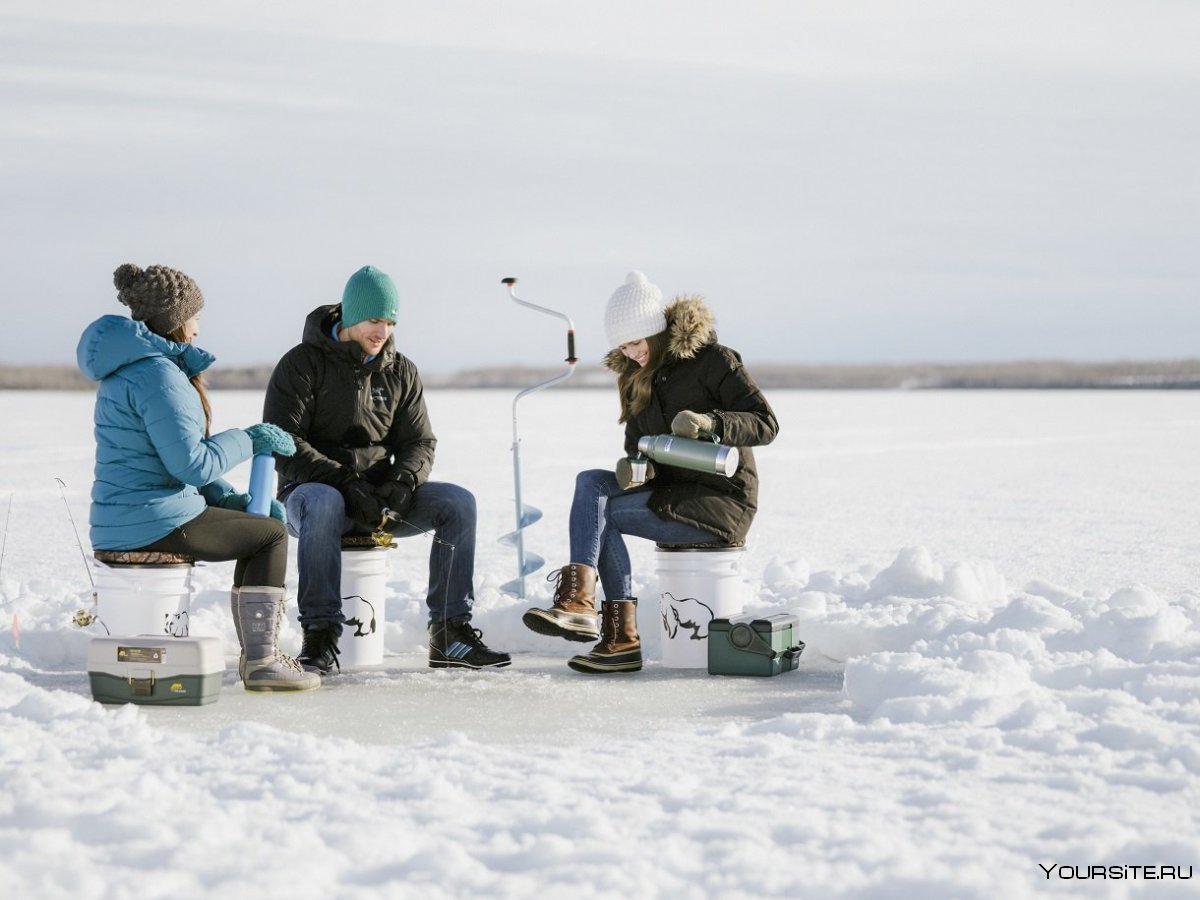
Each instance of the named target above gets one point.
<point>750,645</point>
<point>153,670</point>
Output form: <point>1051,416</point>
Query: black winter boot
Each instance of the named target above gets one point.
<point>319,653</point>
<point>455,643</point>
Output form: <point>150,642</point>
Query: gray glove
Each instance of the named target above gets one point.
<point>633,473</point>
<point>690,424</point>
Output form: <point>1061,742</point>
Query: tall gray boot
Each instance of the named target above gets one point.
<point>260,612</point>
<point>237,624</point>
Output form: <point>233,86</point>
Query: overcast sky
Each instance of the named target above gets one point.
<point>844,181</point>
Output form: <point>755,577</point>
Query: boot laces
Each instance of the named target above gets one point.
<point>468,634</point>
<point>289,662</point>
<point>317,643</point>
<point>560,594</point>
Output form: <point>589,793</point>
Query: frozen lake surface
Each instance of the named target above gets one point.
<point>1000,595</point>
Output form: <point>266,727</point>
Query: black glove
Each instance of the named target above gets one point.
<point>396,496</point>
<point>362,503</point>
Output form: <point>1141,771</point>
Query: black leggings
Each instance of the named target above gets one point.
<point>258,543</point>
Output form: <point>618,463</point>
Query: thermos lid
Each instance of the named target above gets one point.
<point>727,460</point>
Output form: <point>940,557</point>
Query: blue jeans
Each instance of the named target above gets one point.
<point>317,519</point>
<point>602,513</point>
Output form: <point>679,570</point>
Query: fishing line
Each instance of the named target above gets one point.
<point>4,546</point>
<point>82,554</point>
<point>83,617</point>
<point>392,515</point>
<point>16,623</point>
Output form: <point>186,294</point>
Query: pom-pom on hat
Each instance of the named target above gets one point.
<point>635,311</point>
<point>369,294</point>
<point>162,298</point>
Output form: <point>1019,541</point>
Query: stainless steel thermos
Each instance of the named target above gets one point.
<point>686,453</point>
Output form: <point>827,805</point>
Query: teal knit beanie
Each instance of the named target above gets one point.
<point>369,294</point>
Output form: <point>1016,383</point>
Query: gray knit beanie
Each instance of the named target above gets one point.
<point>162,298</point>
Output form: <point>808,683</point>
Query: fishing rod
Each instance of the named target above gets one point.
<point>79,543</point>
<point>16,624</point>
<point>4,546</point>
<point>527,515</point>
<point>83,617</point>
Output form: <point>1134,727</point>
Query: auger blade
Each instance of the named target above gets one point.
<point>529,515</point>
<point>531,563</point>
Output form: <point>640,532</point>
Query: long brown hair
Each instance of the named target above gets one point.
<point>179,336</point>
<point>634,381</point>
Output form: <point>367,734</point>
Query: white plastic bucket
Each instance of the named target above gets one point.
<point>144,599</point>
<point>696,586</point>
<point>364,574</point>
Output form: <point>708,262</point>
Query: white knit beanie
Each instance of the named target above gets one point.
<point>635,311</point>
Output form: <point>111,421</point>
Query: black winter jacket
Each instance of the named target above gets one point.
<point>701,375</point>
<point>351,419</point>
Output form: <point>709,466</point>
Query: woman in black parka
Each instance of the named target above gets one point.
<point>673,377</point>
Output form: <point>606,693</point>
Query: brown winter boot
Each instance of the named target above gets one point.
<point>573,615</point>
<point>620,648</point>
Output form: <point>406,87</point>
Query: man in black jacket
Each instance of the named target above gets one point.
<point>364,444</point>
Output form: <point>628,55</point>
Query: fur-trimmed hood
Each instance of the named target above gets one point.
<point>691,326</point>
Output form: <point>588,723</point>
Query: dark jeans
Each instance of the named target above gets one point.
<point>258,543</point>
<point>602,513</point>
<point>317,518</point>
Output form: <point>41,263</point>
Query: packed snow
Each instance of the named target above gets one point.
<point>1000,695</point>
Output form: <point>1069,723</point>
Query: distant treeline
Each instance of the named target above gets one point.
<point>1032,375</point>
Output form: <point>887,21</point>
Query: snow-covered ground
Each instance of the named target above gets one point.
<point>1000,595</point>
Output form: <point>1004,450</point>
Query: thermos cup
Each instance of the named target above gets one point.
<point>686,453</point>
<point>262,484</point>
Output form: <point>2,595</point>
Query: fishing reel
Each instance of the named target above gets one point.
<point>382,536</point>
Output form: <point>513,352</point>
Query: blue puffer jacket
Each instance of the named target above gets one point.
<point>155,469</point>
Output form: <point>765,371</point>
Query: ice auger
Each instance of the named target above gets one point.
<point>527,515</point>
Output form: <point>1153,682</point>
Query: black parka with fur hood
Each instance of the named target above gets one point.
<point>351,419</point>
<point>699,374</point>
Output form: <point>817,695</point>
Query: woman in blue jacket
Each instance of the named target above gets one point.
<point>158,470</point>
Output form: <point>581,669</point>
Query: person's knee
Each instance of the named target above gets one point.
<point>590,479</point>
<point>316,506</point>
<point>461,501</point>
<point>277,532</point>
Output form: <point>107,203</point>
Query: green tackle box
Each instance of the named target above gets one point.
<point>154,670</point>
<point>750,645</point>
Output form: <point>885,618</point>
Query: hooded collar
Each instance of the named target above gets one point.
<point>318,331</point>
<point>691,326</point>
<point>112,342</point>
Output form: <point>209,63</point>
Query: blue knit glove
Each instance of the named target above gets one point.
<point>238,501</point>
<point>268,438</point>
